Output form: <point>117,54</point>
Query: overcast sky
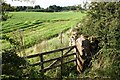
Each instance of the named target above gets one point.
<point>46,3</point>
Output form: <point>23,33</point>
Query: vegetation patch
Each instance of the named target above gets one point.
<point>38,26</point>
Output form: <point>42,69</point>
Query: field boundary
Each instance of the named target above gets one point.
<point>55,60</point>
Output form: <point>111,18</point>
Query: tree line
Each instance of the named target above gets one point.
<point>52,8</point>
<point>37,8</point>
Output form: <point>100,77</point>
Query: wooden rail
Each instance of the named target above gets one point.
<point>80,51</point>
<point>55,60</point>
<point>49,52</point>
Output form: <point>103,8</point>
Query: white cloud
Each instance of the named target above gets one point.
<point>18,3</point>
<point>46,3</point>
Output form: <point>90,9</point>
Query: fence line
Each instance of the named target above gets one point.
<point>55,60</point>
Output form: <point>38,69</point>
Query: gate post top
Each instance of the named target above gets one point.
<point>82,44</point>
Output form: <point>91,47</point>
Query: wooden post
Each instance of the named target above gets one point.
<point>76,56</point>
<point>61,37</point>
<point>83,47</point>
<point>61,63</point>
<point>42,66</point>
<point>61,40</point>
<point>21,42</point>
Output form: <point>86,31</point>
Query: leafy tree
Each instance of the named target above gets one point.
<point>37,7</point>
<point>54,8</point>
<point>6,7</point>
<point>103,21</point>
<point>21,8</point>
<point>29,7</point>
<point>11,62</point>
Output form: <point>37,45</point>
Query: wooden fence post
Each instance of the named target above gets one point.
<point>61,37</point>
<point>61,63</point>
<point>42,66</point>
<point>76,55</point>
<point>83,47</point>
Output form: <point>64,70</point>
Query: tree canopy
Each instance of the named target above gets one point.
<point>103,21</point>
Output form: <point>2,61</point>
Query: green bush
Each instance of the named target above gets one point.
<point>103,21</point>
<point>4,17</point>
<point>11,63</point>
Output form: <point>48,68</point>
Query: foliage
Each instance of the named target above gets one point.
<point>11,63</point>
<point>103,21</point>
<point>37,8</point>
<point>4,17</point>
<point>5,7</point>
<point>51,8</point>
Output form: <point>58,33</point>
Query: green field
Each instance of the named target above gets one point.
<point>40,32</point>
<point>38,26</point>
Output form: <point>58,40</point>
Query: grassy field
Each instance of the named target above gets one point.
<point>38,26</point>
<point>40,32</point>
